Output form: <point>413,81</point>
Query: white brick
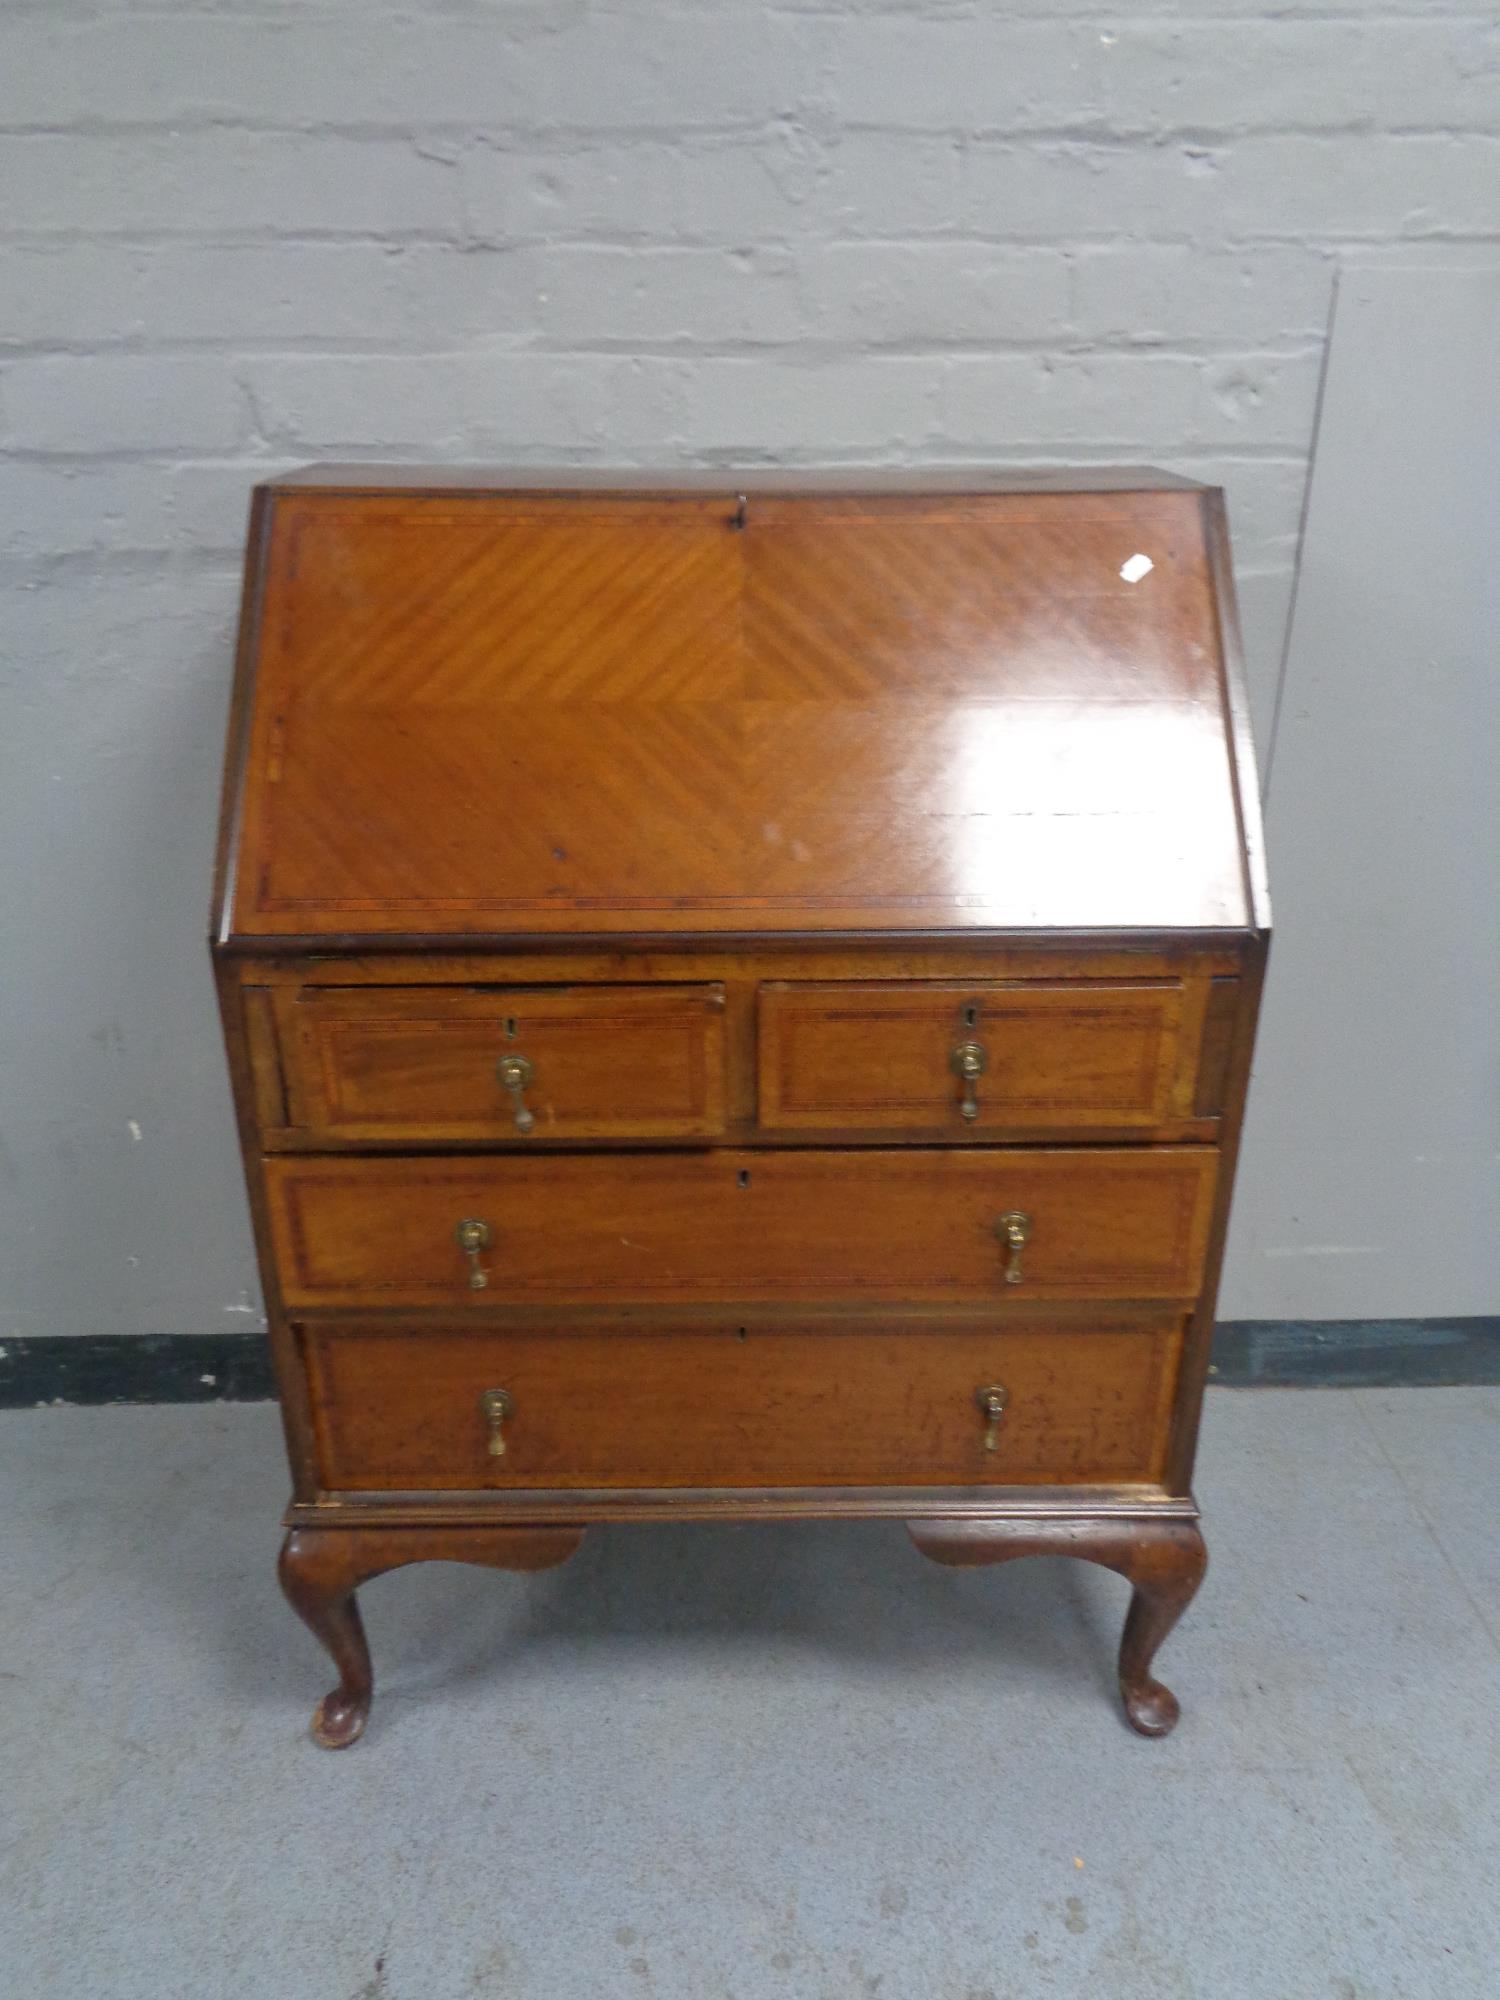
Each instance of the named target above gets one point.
<point>666,69</point>
<point>253,291</point>
<point>585,295</point>
<point>964,8</point>
<point>1019,9</point>
<point>939,293</point>
<point>526,194</point>
<point>744,191</point>
<point>1175,293</point>
<point>209,505</point>
<point>461,294</point>
<point>360,294</point>
<point>189,68</point>
<point>892,187</point>
<point>107,403</point>
<point>877,407</point>
<point>73,292</point>
<point>556,408</point>
<point>81,509</point>
<point>597,71</point>
<point>72,509</point>
<point>70,293</point>
<point>1363,186</point>
<point>1264,400</point>
<point>990,73</point>
<point>41,81</point>
<point>735,191</point>
<point>562,402</point>
<point>1020,404</point>
<point>1157,404</point>
<point>362,402</point>
<point>1238,75</point>
<point>536,15</point>
<point>646,416</point>
<point>535,406</point>
<point>1055,191</point>
<point>223,181</point>
<point>111,617</point>
<point>125,507</point>
<point>1289,186</point>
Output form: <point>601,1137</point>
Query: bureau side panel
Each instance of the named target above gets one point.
<point>255,1080</point>
<point>1195,1366</point>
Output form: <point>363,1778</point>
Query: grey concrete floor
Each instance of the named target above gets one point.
<point>721,1763</point>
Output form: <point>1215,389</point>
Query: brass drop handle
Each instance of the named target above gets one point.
<point>969,1061</point>
<point>1014,1231</point>
<point>474,1236</point>
<point>517,1073</point>
<point>499,1406</point>
<point>992,1401</point>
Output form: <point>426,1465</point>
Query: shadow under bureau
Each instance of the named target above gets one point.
<point>739,1002</point>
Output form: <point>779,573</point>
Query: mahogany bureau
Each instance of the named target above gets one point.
<point>739,1001</point>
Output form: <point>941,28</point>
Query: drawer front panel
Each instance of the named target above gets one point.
<point>728,1226</point>
<point>724,1407</point>
<point>934,1057</point>
<point>431,1063</point>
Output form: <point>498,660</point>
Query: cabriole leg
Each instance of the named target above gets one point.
<point>1164,1562</point>
<point>319,1581</point>
<point>321,1568</point>
<point>1166,1570</point>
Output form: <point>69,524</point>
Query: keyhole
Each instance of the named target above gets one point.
<point>510,1027</point>
<point>971,1017</point>
<point>744,1177</point>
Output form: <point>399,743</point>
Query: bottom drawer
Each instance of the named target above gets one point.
<point>733,1406</point>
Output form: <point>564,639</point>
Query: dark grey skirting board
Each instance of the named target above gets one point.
<point>127,1368</point>
<point>1357,1353</point>
<point>236,1367</point>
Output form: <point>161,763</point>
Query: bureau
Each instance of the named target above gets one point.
<point>739,1000</point>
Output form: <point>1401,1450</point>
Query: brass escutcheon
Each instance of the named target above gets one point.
<point>969,1061</point>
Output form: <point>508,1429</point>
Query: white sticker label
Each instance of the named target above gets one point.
<point>1137,567</point>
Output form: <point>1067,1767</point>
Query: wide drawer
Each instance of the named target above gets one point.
<point>935,1058</point>
<point>449,1064</point>
<point>725,1406</point>
<point>992,1225</point>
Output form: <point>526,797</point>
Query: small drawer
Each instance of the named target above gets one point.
<point>935,1059</point>
<point>802,1226</point>
<point>738,1406</point>
<point>443,1064</point>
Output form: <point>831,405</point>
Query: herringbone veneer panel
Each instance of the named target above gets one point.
<point>489,714</point>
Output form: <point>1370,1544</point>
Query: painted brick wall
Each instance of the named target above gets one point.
<point>552,231</point>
